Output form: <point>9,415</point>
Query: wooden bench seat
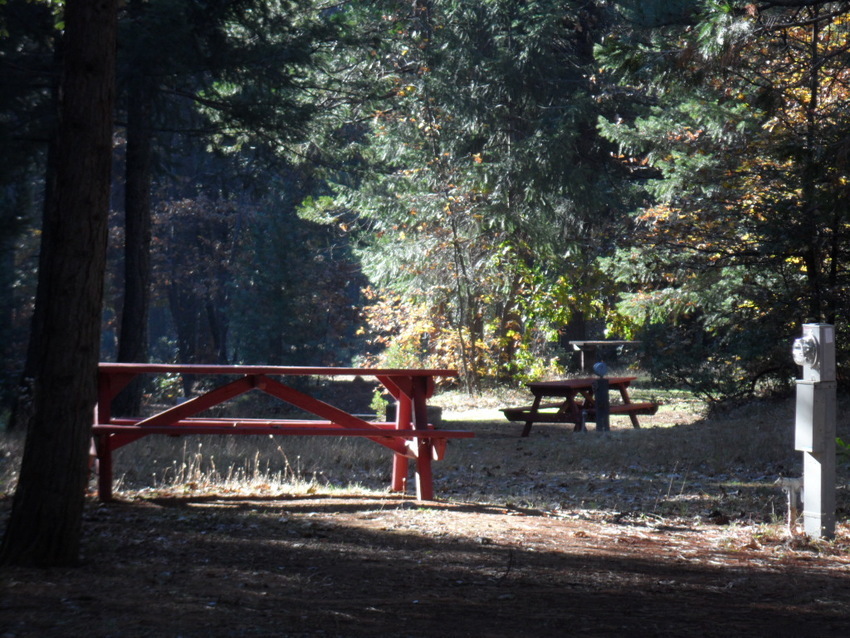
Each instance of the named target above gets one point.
<point>527,415</point>
<point>644,407</point>
<point>523,413</point>
<point>292,427</point>
<point>126,429</point>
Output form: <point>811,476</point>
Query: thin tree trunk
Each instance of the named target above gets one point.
<point>507,318</point>
<point>23,407</point>
<point>133,337</point>
<point>46,520</point>
<point>18,205</point>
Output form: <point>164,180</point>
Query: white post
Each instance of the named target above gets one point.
<point>815,426</point>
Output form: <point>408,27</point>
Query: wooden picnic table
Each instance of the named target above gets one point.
<point>409,437</point>
<point>576,403</point>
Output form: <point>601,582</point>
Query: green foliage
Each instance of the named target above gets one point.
<point>842,448</point>
<point>714,365</point>
<point>241,74</point>
<point>732,126</point>
<point>485,176</point>
<point>496,167</point>
<point>166,388</point>
<point>379,404</point>
<point>233,90</point>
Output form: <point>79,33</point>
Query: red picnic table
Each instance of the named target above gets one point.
<point>576,403</point>
<point>409,437</point>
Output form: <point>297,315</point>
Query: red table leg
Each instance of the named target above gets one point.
<point>104,467</point>
<point>400,462</point>
<point>424,478</point>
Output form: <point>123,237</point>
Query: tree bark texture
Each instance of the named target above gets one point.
<point>45,524</point>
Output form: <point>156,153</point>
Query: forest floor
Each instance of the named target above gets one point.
<point>675,529</point>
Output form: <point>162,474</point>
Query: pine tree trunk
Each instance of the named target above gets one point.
<point>133,338</point>
<point>22,408</point>
<point>45,524</point>
<point>8,216</point>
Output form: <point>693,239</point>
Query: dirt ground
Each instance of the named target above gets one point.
<point>352,566</point>
<point>215,563</point>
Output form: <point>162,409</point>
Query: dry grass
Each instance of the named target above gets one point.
<point>679,464</point>
<point>250,464</point>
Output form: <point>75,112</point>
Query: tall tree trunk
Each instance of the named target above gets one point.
<point>46,520</point>
<point>14,204</point>
<point>183,313</point>
<point>133,337</point>
<point>23,406</point>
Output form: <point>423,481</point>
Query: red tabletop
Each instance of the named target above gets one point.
<point>191,368</point>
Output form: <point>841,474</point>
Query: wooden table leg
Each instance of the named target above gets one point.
<point>104,468</point>
<point>532,413</point>
<point>400,462</point>
<point>424,477</point>
<point>624,394</point>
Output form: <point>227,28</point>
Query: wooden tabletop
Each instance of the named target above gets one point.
<point>189,368</point>
<point>578,384</point>
<point>578,345</point>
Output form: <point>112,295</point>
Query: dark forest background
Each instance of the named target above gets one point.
<point>460,184</point>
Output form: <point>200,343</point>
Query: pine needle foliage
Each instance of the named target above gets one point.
<point>733,121</point>
<point>487,194</point>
